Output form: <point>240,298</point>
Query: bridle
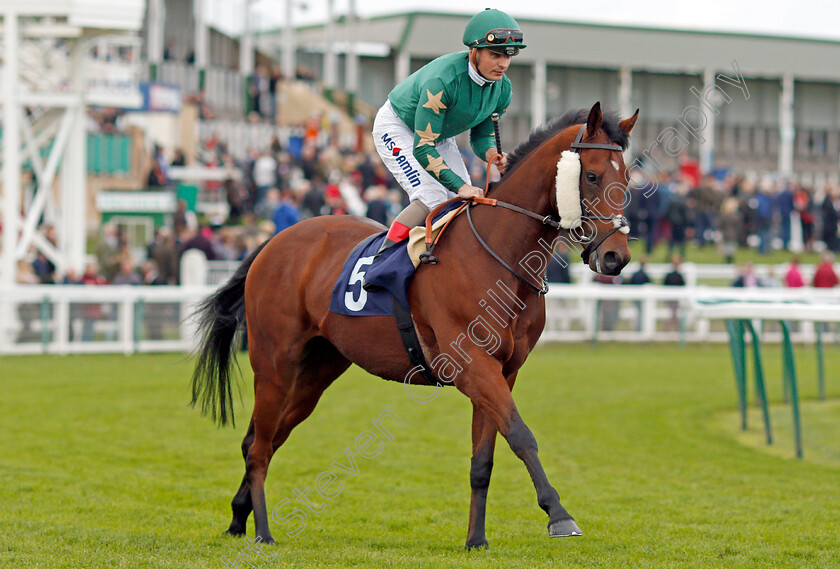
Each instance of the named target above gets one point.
<point>619,221</point>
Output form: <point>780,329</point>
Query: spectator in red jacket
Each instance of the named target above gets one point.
<point>825,277</point>
<point>793,277</point>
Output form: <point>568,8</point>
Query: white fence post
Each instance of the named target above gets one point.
<point>194,271</point>
<point>126,319</point>
<point>648,317</point>
<point>61,311</point>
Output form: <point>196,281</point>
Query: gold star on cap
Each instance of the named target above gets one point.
<point>434,102</point>
<point>427,136</point>
<point>436,165</point>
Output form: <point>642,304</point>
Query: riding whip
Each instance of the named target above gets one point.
<point>495,118</point>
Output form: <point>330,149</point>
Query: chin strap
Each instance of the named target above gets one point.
<point>620,224</point>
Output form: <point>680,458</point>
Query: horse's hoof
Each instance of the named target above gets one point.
<point>563,528</point>
<point>234,533</point>
<point>477,544</point>
<point>268,541</point>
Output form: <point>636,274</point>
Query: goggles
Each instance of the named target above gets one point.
<point>501,37</point>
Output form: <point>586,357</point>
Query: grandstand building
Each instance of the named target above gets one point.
<point>785,118</point>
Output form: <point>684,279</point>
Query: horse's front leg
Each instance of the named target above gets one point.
<point>524,445</point>
<point>485,385</point>
<point>481,467</point>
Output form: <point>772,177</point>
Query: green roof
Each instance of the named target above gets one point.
<point>524,20</point>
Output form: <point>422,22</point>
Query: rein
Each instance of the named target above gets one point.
<point>619,221</point>
<point>541,290</point>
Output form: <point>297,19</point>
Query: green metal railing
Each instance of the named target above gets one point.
<point>737,330</point>
<point>46,315</point>
<point>791,387</point>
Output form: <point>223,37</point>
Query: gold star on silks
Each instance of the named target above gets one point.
<point>427,136</point>
<point>434,102</point>
<point>436,165</point>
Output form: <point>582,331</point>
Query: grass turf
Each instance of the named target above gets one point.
<point>104,465</point>
<point>711,254</point>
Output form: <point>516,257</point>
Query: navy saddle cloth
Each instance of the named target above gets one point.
<point>393,272</point>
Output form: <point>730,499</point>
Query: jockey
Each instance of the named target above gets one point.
<point>414,130</point>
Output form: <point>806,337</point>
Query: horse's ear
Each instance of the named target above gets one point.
<point>593,123</point>
<point>627,124</point>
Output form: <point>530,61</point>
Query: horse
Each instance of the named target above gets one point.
<point>297,347</point>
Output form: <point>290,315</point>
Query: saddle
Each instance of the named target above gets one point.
<point>393,272</point>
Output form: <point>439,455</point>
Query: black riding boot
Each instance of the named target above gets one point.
<point>386,244</point>
<point>411,216</point>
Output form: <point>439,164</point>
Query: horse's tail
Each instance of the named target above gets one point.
<point>219,317</point>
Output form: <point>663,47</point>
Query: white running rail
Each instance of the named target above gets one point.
<point>61,319</point>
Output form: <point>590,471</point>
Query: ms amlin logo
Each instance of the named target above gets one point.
<point>412,174</point>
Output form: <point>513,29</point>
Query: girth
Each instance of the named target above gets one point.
<point>408,335</point>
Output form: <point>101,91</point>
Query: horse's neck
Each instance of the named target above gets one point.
<point>528,187</point>
<point>530,184</point>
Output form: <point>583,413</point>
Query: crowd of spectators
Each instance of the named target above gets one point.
<point>310,175</point>
<point>731,211</point>
<point>285,183</point>
<point>262,91</point>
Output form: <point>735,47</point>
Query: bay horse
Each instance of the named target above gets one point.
<point>297,347</point>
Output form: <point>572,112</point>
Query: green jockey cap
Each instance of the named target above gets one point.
<point>493,29</point>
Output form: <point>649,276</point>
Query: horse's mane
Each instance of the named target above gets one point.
<point>548,130</point>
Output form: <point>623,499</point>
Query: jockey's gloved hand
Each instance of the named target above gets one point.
<point>500,164</point>
<point>467,191</point>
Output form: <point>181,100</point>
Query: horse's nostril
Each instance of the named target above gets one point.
<point>611,261</point>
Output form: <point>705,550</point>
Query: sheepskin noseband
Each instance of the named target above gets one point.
<point>567,186</point>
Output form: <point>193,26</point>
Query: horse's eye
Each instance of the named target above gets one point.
<point>591,178</point>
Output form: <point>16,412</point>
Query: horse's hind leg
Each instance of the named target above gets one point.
<point>318,370</point>
<point>275,416</point>
<point>241,504</point>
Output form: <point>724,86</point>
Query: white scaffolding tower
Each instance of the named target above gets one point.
<point>59,57</point>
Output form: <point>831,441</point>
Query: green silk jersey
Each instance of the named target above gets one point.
<point>441,100</point>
